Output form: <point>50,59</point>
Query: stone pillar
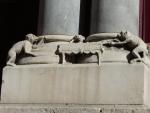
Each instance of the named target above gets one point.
<point>115,15</point>
<point>59,17</point>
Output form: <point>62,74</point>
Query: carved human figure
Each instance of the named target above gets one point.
<point>130,42</point>
<point>24,46</point>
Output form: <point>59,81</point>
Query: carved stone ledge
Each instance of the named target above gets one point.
<point>56,108</point>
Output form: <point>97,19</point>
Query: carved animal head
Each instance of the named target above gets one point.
<point>78,38</point>
<point>31,37</point>
<point>127,33</point>
<point>124,35</point>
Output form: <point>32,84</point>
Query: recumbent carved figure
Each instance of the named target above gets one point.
<point>24,46</point>
<point>134,44</point>
<point>32,42</point>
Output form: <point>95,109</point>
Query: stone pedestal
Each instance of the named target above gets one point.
<point>115,15</point>
<point>110,83</point>
<point>59,17</point>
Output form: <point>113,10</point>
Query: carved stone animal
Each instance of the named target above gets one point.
<point>78,39</point>
<point>133,43</point>
<point>21,46</point>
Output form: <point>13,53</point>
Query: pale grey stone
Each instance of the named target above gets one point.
<point>132,43</point>
<point>127,41</point>
<point>101,36</point>
<point>37,49</point>
<point>114,15</point>
<point>48,49</point>
<point>55,38</point>
<point>81,48</point>
<point>148,47</point>
<point>110,83</point>
<point>59,17</point>
<point>111,54</point>
<point>19,47</point>
<point>61,108</point>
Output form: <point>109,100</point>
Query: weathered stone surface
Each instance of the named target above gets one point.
<point>59,17</point>
<point>82,49</point>
<point>110,83</point>
<point>148,47</point>
<point>46,54</point>
<point>101,36</point>
<point>115,15</point>
<point>48,108</point>
<point>109,55</point>
<point>137,48</point>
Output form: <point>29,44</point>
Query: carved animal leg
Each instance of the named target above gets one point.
<point>12,59</point>
<point>99,58</point>
<point>145,53</point>
<point>135,60</point>
<point>63,58</point>
<point>135,52</point>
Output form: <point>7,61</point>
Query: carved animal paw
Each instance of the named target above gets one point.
<point>135,60</point>
<point>138,60</point>
<point>11,64</point>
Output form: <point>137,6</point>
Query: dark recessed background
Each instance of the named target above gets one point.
<point>17,18</point>
<point>145,20</point>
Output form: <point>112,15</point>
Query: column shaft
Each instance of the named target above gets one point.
<point>115,15</point>
<point>59,17</point>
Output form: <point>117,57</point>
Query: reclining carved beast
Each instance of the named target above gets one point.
<point>130,42</point>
